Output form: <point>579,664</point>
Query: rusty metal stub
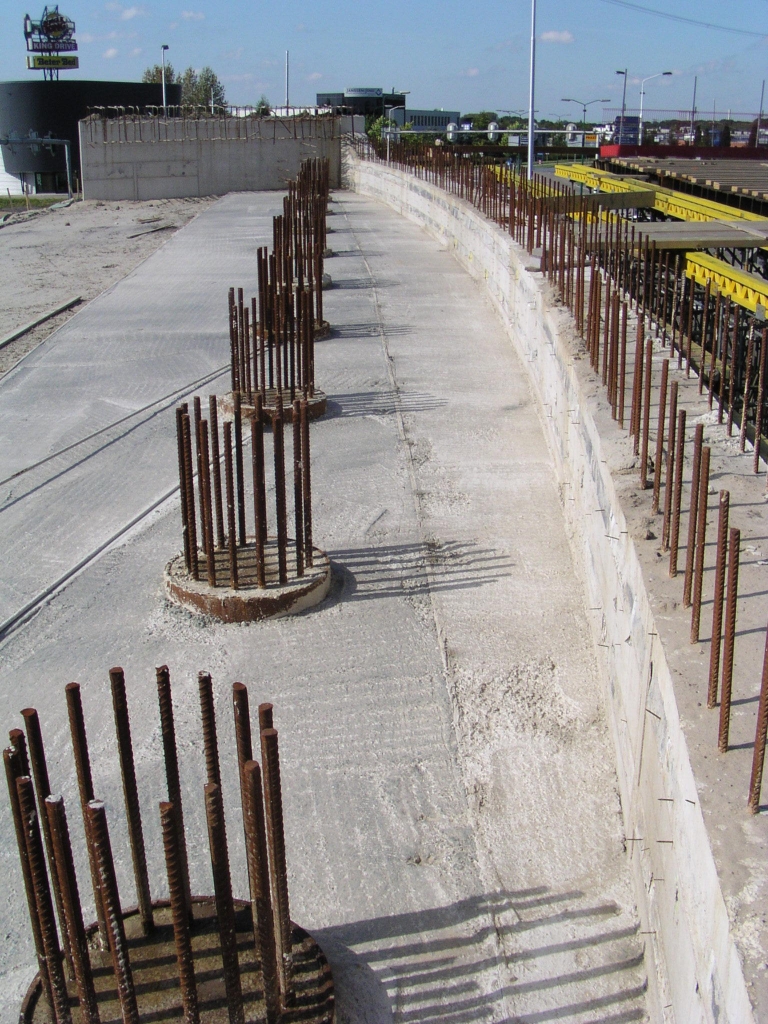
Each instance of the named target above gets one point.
<point>250,603</point>
<point>316,405</point>
<point>322,329</point>
<point>153,962</point>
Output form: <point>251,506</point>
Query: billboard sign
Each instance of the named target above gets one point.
<point>52,62</point>
<point>364,93</point>
<point>53,33</point>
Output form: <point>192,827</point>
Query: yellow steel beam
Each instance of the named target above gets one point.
<point>747,290</point>
<point>669,202</point>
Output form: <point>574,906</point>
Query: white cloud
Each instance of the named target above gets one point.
<point>471,72</point>
<point>110,53</point>
<point>557,37</point>
<point>130,12</point>
<point>174,24</point>
<point>192,15</point>
<point>136,52</point>
<point>86,37</point>
<point>301,27</point>
<point>314,76</point>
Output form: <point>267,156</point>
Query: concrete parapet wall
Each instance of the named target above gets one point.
<point>698,975</point>
<point>150,158</point>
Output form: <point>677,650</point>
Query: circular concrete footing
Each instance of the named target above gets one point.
<point>322,329</point>
<point>249,603</point>
<point>156,974</point>
<point>316,405</point>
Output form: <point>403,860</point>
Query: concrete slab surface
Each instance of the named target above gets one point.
<point>453,827</point>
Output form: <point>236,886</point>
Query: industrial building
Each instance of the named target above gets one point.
<point>427,119</point>
<point>40,109</point>
<point>367,101</point>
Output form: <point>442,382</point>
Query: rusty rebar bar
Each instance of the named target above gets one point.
<point>118,945</point>
<point>208,719</point>
<point>306,464</point>
<point>701,541</point>
<point>730,639</point>
<point>36,756</point>
<point>231,535</point>
<point>660,436</point>
<point>131,797</point>
<point>206,500</point>
<point>239,471</point>
<point>646,413</point>
<point>717,601</point>
<point>760,399</point>
<point>261,901</point>
<point>622,363</point>
<point>13,771</point>
<point>761,733</point>
<point>180,412</point>
<point>172,778</point>
<point>179,912</point>
<point>674,539</point>
<point>56,817</point>
<point>85,788</point>
<point>278,870</point>
<point>225,911</point>
<point>693,514</point>
<point>280,509</point>
<point>298,491</point>
<point>36,858</point>
<point>670,466</point>
<point>259,492</point>
<point>190,496</point>
<point>213,416</point>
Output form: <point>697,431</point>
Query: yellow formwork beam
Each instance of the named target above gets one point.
<point>745,289</point>
<point>668,202</point>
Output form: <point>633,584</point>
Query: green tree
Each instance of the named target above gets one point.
<point>154,75</point>
<point>481,120</point>
<point>201,88</point>
<point>197,87</point>
<point>263,108</point>
<point>725,136</point>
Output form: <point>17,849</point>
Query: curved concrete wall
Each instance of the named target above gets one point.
<point>698,976</point>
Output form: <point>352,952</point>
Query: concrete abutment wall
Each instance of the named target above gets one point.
<point>698,975</point>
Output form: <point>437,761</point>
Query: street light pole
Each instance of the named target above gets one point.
<point>760,115</point>
<point>583,105</point>
<point>623,103</point>
<point>163,48</point>
<point>642,96</point>
<point>389,130</point>
<point>531,90</point>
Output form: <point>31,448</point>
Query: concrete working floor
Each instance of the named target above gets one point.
<point>453,827</point>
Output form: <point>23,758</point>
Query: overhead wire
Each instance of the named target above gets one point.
<point>680,17</point>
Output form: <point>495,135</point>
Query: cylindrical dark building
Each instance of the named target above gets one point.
<point>40,108</point>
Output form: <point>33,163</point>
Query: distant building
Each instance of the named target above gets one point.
<point>435,119</point>
<point>626,130</point>
<point>366,101</point>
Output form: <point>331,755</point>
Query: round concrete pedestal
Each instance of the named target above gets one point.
<point>249,603</point>
<point>156,974</point>
<point>316,405</point>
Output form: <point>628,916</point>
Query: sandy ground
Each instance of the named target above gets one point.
<point>50,256</point>
<point>453,826</point>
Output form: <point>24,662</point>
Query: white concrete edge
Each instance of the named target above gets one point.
<point>40,320</point>
<point>698,975</point>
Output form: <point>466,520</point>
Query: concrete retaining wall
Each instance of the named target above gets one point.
<point>122,158</point>
<point>698,975</point>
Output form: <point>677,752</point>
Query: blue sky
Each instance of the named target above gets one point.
<point>451,55</point>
